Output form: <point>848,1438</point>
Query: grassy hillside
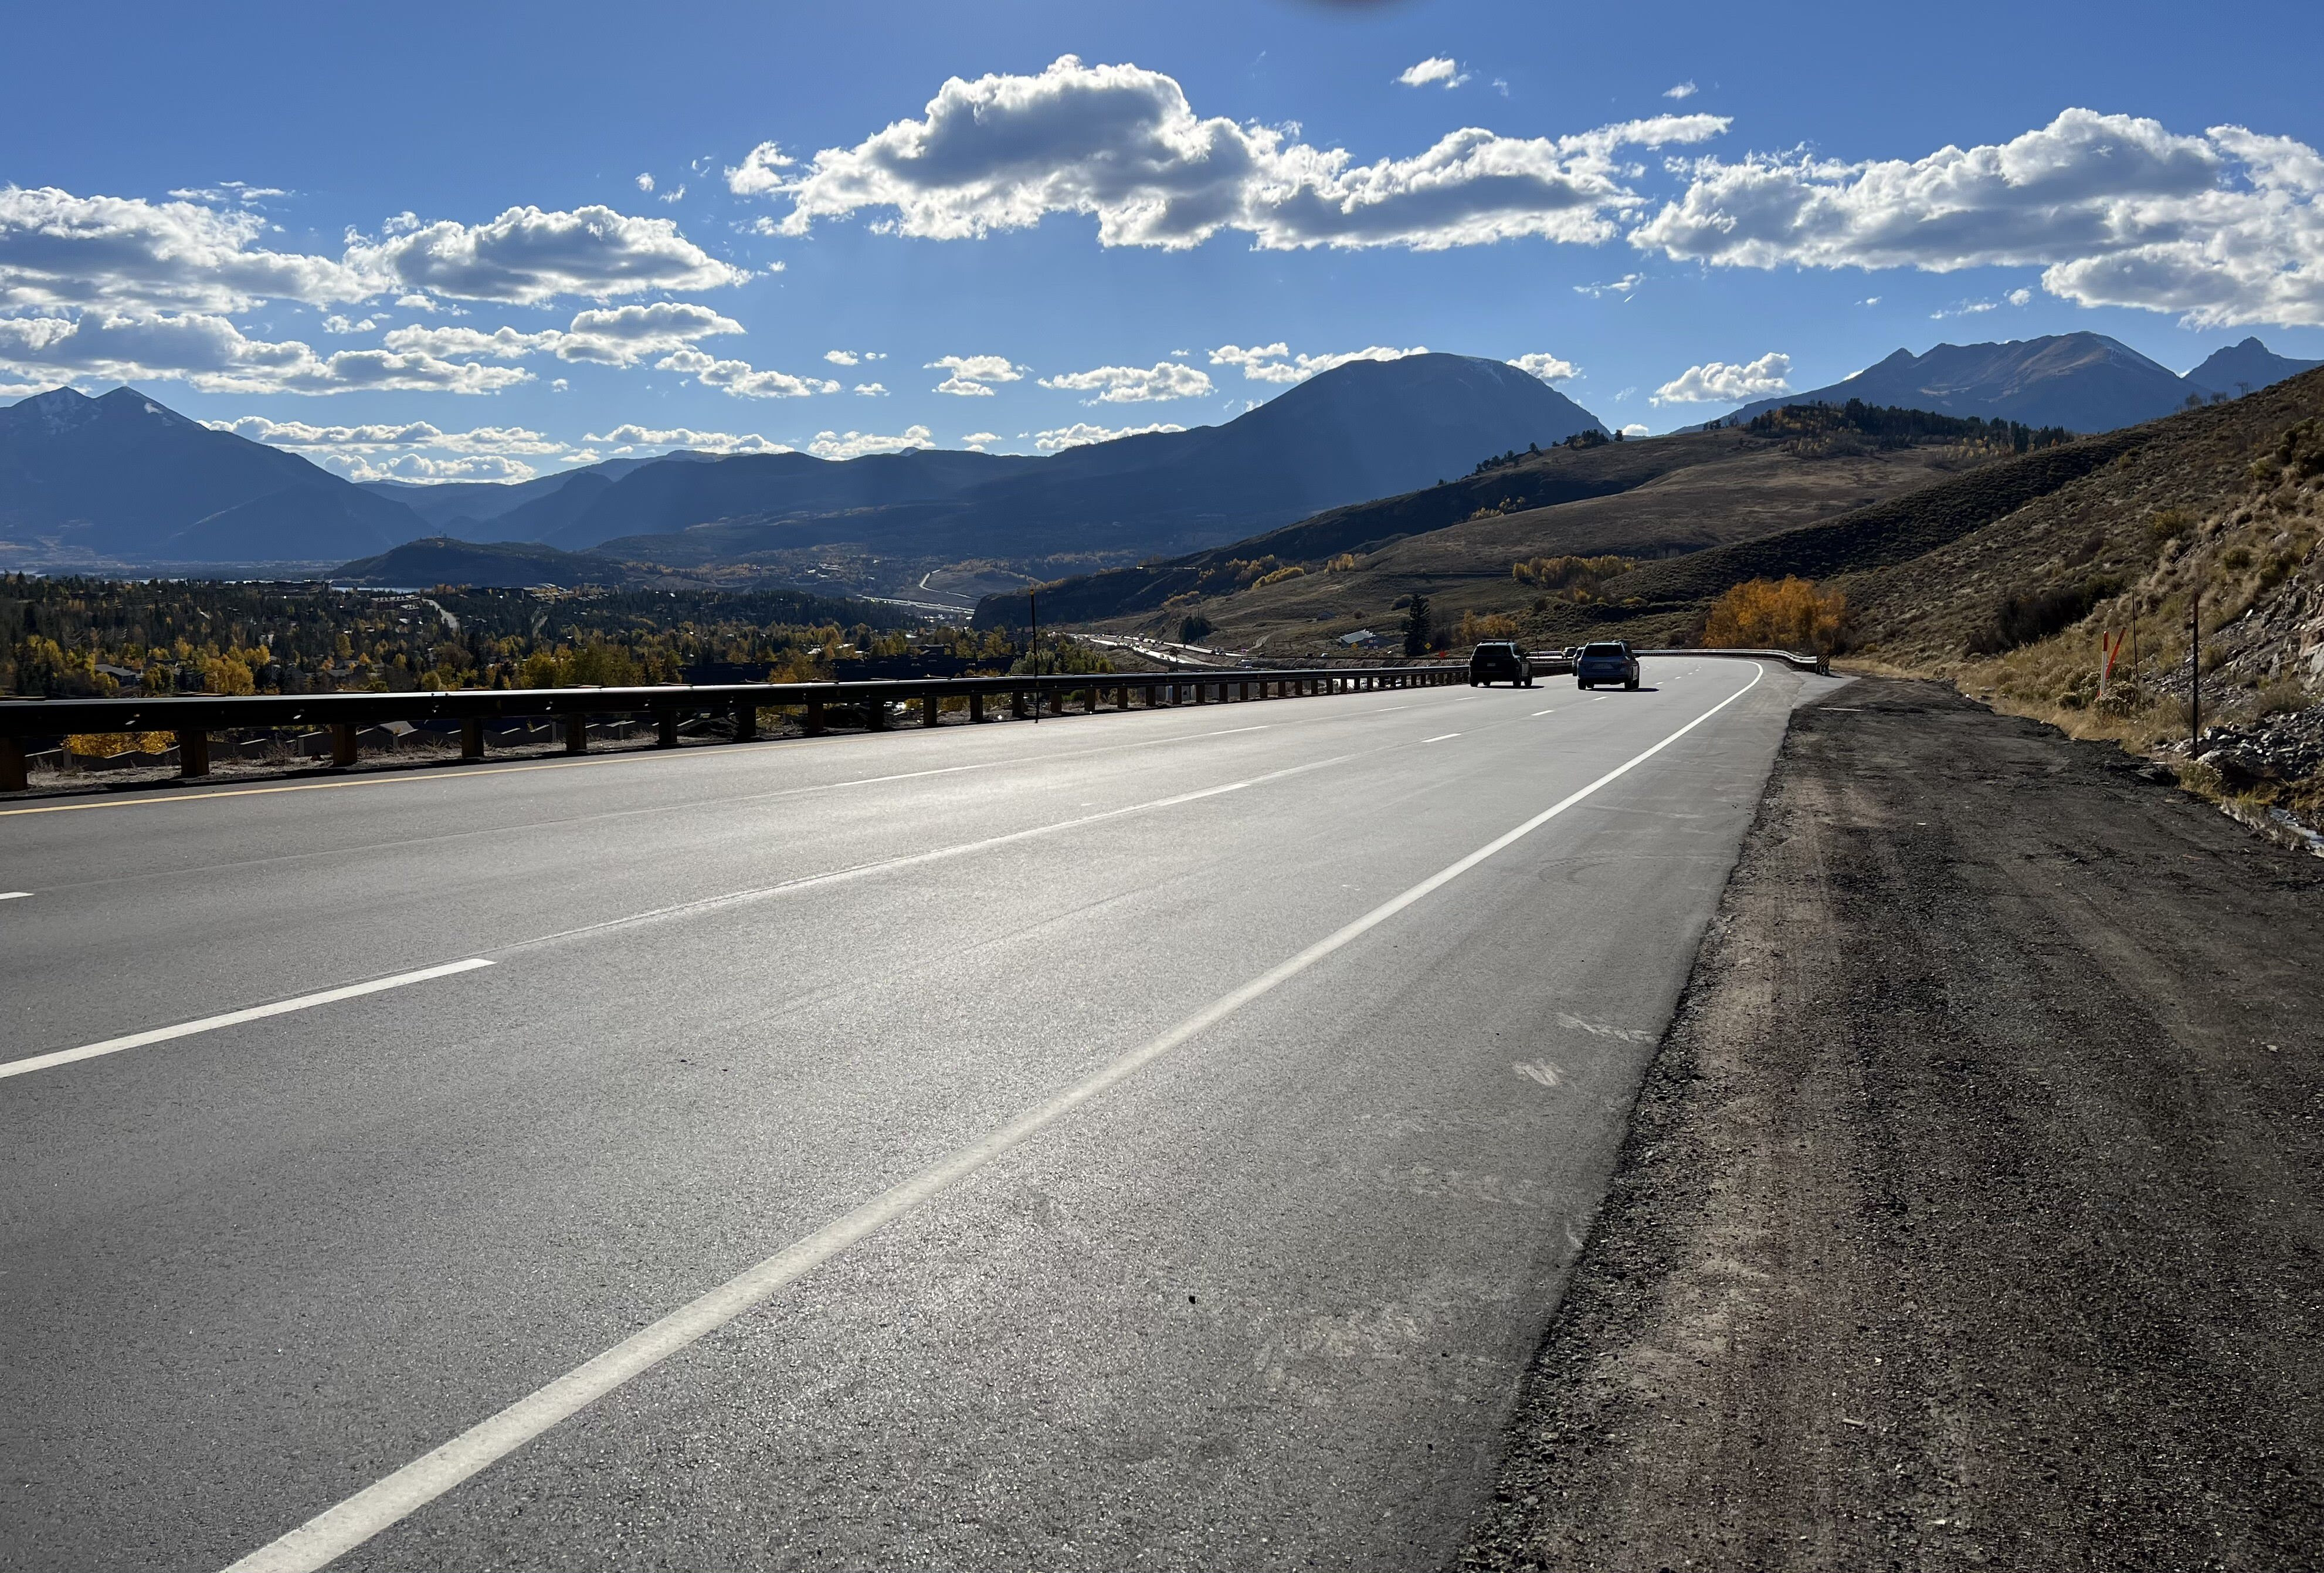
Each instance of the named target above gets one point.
<point>1457,542</point>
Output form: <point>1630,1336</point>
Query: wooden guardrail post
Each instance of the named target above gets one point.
<point>975,708</point>
<point>812,723</point>
<point>577,733</point>
<point>931,706</point>
<point>15,775</point>
<point>1017,703</point>
<point>193,752</point>
<point>472,739</point>
<point>746,720</point>
<point>665,729</point>
<point>875,714</point>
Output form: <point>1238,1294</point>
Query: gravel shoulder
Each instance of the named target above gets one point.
<point>1969,1215</point>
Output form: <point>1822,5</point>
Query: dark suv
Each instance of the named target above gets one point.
<point>1608,661</point>
<point>1499,663</point>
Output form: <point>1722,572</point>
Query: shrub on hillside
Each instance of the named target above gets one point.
<point>2028,618</point>
<point>1571,578</point>
<point>1787,614</point>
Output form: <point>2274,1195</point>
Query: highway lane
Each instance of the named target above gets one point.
<point>1263,1302</point>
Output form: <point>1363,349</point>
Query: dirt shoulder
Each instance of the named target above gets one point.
<point>1971,1211</point>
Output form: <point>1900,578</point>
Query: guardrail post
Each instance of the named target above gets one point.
<point>577,733</point>
<point>193,752</point>
<point>931,706</point>
<point>1017,703</point>
<point>813,723</point>
<point>472,739</point>
<point>344,747</point>
<point>746,720</point>
<point>665,729</point>
<point>876,713</point>
<point>975,708</point>
<point>14,768</point>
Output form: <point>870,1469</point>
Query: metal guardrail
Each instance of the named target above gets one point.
<point>193,718</point>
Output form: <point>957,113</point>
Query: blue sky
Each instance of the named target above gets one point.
<point>1264,177</point>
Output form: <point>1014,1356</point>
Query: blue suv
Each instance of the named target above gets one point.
<point>1608,661</point>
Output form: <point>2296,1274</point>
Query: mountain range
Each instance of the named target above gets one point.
<point>121,476</point>
<point>2083,381</point>
<point>121,480</point>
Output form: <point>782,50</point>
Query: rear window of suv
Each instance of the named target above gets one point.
<point>1604,652</point>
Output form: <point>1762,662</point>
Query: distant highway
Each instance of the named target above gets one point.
<point>1152,1139</point>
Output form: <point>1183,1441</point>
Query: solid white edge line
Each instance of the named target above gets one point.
<point>338,1530</point>
<point>236,1018</point>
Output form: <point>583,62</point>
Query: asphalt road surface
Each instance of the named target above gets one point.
<point>1145,1139</point>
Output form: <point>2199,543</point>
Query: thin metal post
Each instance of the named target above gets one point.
<point>2195,675</point>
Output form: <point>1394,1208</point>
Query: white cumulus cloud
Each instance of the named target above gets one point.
<point>842,356</point>
<point>616,336</point>
<point>528,255</point>
<point>626,440</point>
<point>872,390</point>
<point>1720,383</point>
<point>1081,433</point>
<point>1548,367</point>
<point>856,444</point>
<point>1275,363</point>
<point>1636,428</point>
<point>1435,69</point>
<point>1121,144</point>
<point>976,442</point>
<point>2225,229</point>
<point>214,356</point>
<point>1686,89</point>
<point>973,375</point>
<point>740,378</point>
<point>1129,384</point>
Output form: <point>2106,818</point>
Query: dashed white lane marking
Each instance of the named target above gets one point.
<point>340,1529</point>
<point>909,860</point>
<point>1440,738</point>
<point>236,1018</point>
<point>1537,714</point>
<point>13,895</point>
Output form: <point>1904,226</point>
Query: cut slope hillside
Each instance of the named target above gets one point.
<point>1926,576</point>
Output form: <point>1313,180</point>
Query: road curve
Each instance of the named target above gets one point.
<point>1153,1139</point>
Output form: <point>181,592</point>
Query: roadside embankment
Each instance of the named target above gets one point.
<point>1969,1215</point>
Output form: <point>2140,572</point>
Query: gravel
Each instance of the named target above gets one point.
<point>1969,1215</point>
